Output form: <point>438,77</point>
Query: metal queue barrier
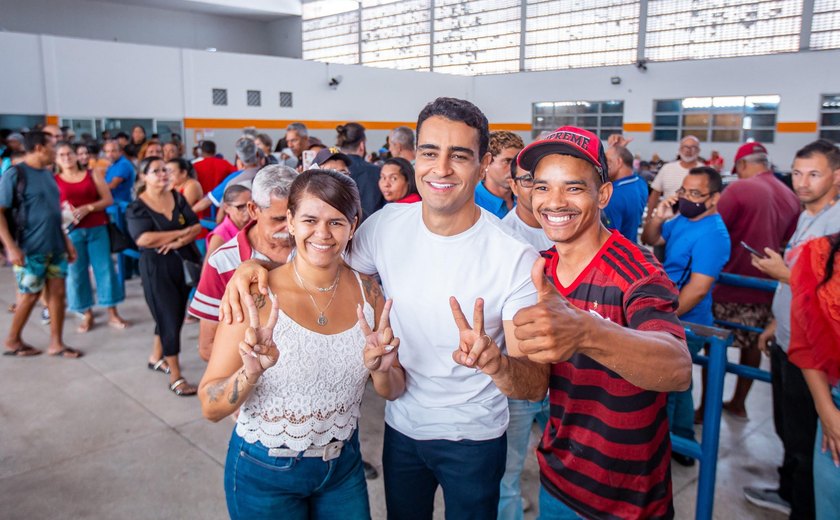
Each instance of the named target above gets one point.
<point>717,340</point>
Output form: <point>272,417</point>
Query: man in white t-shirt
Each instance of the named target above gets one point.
<point>670,177</point>
<point>448,428</point>
<point>523,225</point>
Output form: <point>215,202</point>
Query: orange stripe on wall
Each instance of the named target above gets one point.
<point>513,127</point>
<point>51,119</point>
<point>797,127</point>
<point>238,124</point>
<point>638,127</point>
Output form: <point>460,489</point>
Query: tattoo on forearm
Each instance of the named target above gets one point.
<point>259,300</point>
<point>234,395</point>
<point>371,289</point>
<point>215,390</point>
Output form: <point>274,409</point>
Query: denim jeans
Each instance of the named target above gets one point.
<point>94,251</point>
<point>468,471</point>
<point>826,474</point>
<point>294,488</point>
<point>522,416</point>
<point>681,405</point>
<point>553,509</point>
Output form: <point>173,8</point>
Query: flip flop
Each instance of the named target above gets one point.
<point>23,351</point>
<point>68,353</point>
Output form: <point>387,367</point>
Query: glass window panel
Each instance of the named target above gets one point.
<point>831,135</point>
<point>614,121</point>
<point>830,119</point>
<point>762,136</point>
<point>544,108</point>
<point>727,120</point>
<point>567,107</point>
<point>664,135</point>
<point>583,114</point>
<point>587,121</point>
<point>666,120</point>
<point>701,119</point>
<point>165,129</point>
<point>667,105</point>
<point>762,103</point>
<point>759,120</point>
<point>612,106</point>
<point>726,136</point>
<point>831,102</point>
<point>825,25</point>
<point>702,135</point>
<point>564,120</point>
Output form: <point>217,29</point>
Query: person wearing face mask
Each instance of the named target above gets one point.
<point>670,176</point>
<point>696,249</point>
<point>264,238</point>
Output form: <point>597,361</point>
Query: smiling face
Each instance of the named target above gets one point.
<point>83,155</point>
<point>566,199</point>
<point>321,231</point>
<point>65,157</point>
<point>392,183</point>
<point>448,166</point>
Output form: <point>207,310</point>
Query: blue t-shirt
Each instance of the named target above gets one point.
<point>42,232</point>
<point>124,170</point>
<point>493,204</point>
<point>628,201</point>
<point>700,246</point>
<point>218,192</point>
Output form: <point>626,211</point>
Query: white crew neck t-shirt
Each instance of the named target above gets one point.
<point>420,271</point>
<point>534,236</point>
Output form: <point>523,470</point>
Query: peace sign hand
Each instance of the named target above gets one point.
<point>475,348</point>
<point>380,346</point>
<point>258,351</point>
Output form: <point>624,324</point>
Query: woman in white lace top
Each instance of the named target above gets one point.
<point>299,377</point>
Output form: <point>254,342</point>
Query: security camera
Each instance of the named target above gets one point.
<point>642,65</point>
<point>615,80</point>
<point>334,82</point>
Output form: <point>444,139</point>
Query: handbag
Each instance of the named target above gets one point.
<point>119,240</point>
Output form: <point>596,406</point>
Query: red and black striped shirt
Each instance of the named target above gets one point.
<point>606,451</point>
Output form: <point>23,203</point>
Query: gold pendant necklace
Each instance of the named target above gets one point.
<point>322,318</point>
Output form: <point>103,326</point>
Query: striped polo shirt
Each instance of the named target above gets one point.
<point>606,451</point>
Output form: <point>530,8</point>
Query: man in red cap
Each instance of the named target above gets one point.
<point>605,321</point>
<point>760,211</point>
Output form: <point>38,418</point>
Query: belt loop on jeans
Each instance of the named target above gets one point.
<point>327,453</point>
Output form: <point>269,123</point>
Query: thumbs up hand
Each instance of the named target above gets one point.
<point>552,330</point>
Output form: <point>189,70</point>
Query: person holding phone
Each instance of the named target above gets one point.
<point>299,379</point>
<point>696,249</point>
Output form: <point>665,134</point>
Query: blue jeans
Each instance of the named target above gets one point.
<point>94,251</point>
<point>681,405</point>
<point>826,474</point>
<point>522,416</point>
<point>294,488</point>
<point>553,509</point>
<point>468,471</point>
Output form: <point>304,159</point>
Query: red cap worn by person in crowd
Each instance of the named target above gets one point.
<point>566,140</point>
<point>748,149</point>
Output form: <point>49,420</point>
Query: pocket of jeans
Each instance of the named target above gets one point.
<point>282,463</point>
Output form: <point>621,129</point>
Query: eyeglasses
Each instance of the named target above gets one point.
<point>239,207</point>
<point>694,194</point>
<point>689,147</point>
<point>525,181</point>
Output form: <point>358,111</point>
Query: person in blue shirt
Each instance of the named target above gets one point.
<point>493,192</point>
<point>696,249</point>
<point>121,174</point>
<point>630,194</point>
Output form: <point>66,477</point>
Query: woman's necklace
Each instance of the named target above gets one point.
<point>322,319</point>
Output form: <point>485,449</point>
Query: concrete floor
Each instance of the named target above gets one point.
<point>102,437</point>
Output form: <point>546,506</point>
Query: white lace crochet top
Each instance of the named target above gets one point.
<point>313,394</point>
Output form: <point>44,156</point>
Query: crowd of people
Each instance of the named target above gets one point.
<point>480,283</point>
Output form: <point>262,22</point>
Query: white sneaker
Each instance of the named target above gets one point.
<point>768,499</point>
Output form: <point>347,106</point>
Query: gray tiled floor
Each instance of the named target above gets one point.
<point>102,437</point>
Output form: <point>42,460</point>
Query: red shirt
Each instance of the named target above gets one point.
<point>762,212</point>
<point>80,194</point>
<point>408,199</point>
<point>211,171</point>
<point>606,451</point>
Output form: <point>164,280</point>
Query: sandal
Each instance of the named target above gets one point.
<point>182,388</point>
<point>67,352</point>
<point>157,366</point>
<point>23,351</point>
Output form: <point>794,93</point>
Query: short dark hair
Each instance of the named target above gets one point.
<point>232,191</point>
<point>144,165</point>
<point>264,139</point>
<point>715,181</point>
<point>119,135</point>
<point>823,147</point>
<point>336,189</point>
<point>208,147</point>
<point>183,165</point>
<point>407,171</point>
<point>35,138</point>
<point>349,136</point>
<point>625,155</point>
<point>513,169</point>
<point>459,110</point>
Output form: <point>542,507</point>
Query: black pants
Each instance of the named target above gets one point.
<point>166,295</point>
<point>795,420</point>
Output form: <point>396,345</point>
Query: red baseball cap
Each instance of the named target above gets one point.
<point>748,149</point>
<point>566,140</point>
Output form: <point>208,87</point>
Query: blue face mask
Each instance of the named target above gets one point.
<point>690,209</point>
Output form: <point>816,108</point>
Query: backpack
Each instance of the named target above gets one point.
<point>16,214</point>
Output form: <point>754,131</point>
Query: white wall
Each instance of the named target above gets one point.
<point>136,24</point>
